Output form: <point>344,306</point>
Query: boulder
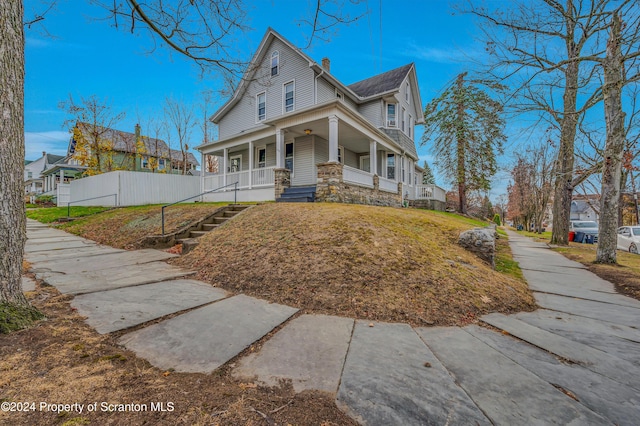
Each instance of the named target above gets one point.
<point>481,242</point>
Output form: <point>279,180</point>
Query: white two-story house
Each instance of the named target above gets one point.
<point>291,126</point>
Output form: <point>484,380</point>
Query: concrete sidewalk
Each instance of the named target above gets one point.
<point>574,361</point>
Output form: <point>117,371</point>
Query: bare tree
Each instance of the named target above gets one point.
<point>91,124</point>
<point>210,161</point>
<point>540,48</point>
<point>181,120</point>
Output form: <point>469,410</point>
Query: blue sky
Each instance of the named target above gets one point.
<point>82,56</point>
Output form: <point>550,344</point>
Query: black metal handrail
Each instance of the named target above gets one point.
<point>92,198</point>
<point>235,198</point>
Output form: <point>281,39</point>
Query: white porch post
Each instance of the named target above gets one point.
<point>373,161</point>
<point>61,176</point>
<point>279,148</point>
<point>250,164</point>
<point>225,160</point>
<point>333,139</point>
<point>203,167</point>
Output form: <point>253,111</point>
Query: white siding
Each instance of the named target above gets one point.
<point>304,171</point>
<point>245,158</point>
<point>373,112</point>
<point>351,158</point>
<point>326,91</point>
<point>321,150</point>
<point>271,155</point>
<point>292,67</point>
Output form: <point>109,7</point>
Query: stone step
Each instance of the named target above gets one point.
<point>197,234</point>
<point>390,377</point>
<point>209,226</point>
<point>506,392</point>
<point>310,351</point>
<point>230,213</point>
<point>295,200</point>
<point>220,220</point>
<point>202,340</point>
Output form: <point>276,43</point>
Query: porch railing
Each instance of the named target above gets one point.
<point>388,185</point>
<point>259,177</point>
<point>430,192</point>
<point>357,176</point>
<point>263,177</point>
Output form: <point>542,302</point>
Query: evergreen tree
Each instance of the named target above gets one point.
<point>427,175</point>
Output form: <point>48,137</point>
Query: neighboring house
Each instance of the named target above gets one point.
<point>291,123</point>
<point>33,173</point>
<point>583,207</point>
<point>126,151</point>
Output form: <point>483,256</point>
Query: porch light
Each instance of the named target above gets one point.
<point>307,131</point>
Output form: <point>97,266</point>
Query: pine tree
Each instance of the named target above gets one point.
<point>427,175</point>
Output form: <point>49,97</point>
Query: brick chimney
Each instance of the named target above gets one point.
<point>326,64</point>
<point>137,132</point>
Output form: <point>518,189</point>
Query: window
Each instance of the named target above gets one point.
<point>404,113</point>
<point>275,63</point>
<point>235,163</point>
<point>29,175</point>
<point>339,94</point>
<point>288,97</point>
<point>262,157</point>
<point>288,156</point>
<point>406,93</point>
<point>340,154</point>
<point>262,106</point>
<point>161,164</point>
<point>144,162</point>
<point>391,115</point>
<point>391,166</point>
<point>410,126</point>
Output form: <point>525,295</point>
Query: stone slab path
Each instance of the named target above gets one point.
<point>574,361</point>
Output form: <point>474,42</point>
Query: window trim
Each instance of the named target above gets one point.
<point>404,124</point>
<point>362,158</point>
<point>339,94</point>
<point>275,55</point>
<point>293,156</point>
<point>162,163</point>
<point>257,157</point>
<point>395,114</point>
<point>258,119</point>
<point>284,97</point>
<point>144,162</point>
<point>340,154</point>
<point>406,94</point>
<point>395,165</point>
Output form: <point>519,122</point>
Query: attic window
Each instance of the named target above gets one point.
<point>406,93</point>
<point>391,115</point>
<point>339,95</point>
<point>275,63</point>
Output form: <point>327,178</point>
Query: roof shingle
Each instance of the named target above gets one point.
<point>381,83</point>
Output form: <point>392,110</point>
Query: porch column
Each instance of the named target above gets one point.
<point>225,160</point>
<point>250,164</point>
<point>203,167</point>
<point>279,148</point>
<point>373,161</point>
<point>333,139</point>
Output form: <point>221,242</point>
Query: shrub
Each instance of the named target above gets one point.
<point>496,219</point>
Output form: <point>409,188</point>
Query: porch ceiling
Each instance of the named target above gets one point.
<point>347,135</point>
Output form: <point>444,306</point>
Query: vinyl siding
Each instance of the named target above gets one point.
<point>326,91</point>
<point>350,158</point>
<point>321,150</point>
<point>304,171</point>
<point>373,111</point>
<point>292,67</point>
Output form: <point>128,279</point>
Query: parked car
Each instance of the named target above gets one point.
<point>587,227</point>
<point>629,238</point>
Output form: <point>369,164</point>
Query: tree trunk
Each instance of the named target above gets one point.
<point>614,120</point>
<point>12,213</point>
<point>461,145</point>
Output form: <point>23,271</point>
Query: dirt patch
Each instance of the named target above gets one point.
<point>61,360</point>
<point>363,262</point>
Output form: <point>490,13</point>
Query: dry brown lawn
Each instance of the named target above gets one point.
<point>364,262</point>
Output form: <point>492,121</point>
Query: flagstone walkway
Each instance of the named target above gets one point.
<point>576,360</point>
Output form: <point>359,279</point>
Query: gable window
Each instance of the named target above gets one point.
<point>406,94</point>
<point>289,97</point>
<point>275,63</point>
<point>288,156</point>
<point>339,94</point>
<point>262,106</point>
<point>262,157</point>
<point>391,115</point>
<point>404,113</point>
<point>235,163</point>
<point>391,166</point>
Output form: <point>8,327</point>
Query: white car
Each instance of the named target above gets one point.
<point>629,238</point>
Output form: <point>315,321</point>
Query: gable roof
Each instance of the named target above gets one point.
<point>381,83</point>
<point>126,142</point>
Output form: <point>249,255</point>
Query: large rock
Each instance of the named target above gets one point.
<point>481,242</point>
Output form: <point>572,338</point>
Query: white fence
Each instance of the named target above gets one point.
<point>63,194</point>
<point>430,192</point>
<point>359,177</point>
<point>132,189</point>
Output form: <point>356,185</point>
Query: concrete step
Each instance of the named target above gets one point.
<point>209,226</point>
<point>220,220</point>
<point>204,339</point>
<point>295,200</point>
<point>230,213</point>
<point>197,234</point>
<point>299,189</point>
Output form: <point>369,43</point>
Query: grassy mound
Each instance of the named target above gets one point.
<point>16,317</point>
<point>358,261</point>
